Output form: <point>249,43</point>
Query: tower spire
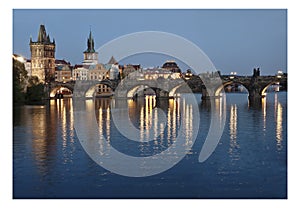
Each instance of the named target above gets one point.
<point>90,55</point>
<point>42,36</point>
<point>90,43</point>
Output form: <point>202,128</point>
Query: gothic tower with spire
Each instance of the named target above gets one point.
<point>90,55</point>
<point>43,56</point>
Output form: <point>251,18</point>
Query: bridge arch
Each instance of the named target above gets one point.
<point>173,91</point>
<point>159,88</point>
<point>264,89</point>
<point>60,90</point>
<point>222,87</point>
<point>130,93</point>
<point>135,89</point>
<point>92,90</point>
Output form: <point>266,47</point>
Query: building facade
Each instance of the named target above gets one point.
<point>98,72</point>
<point>43,56</point>
<point>63,71</point>
<point>113,67</point>
<point>126,70</point>
<point>80,72</point>
<point>173,68</point>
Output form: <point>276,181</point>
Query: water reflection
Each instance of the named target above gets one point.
<point>278,111</point>
<point>42,145</point>
<point>278,116</point>
<point>51,125</point>
<point>47,162</point>
<point>157,122</point>
<point>104,122</point>
<point>264,112</point>
<point>233,121</point>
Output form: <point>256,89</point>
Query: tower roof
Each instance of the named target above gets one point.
<point>42,36</point>
<point>90,44</point>
<point>112,60</point>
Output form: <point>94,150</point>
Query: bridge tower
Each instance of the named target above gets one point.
<point>256,87</point>
<point>43,56</point>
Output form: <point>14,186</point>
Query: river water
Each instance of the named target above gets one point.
<point>250,160</point>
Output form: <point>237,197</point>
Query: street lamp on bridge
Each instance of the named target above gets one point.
<point>232,75</point>
<point>279,74</point>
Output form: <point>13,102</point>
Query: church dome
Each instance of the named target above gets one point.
<point>171,66</point>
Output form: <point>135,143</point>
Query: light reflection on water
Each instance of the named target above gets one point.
<point>278,112</point>
<point>148,115</point>
<point>234,146</point>
<point>46,147</point>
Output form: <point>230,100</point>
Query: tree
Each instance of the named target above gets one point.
<point>33,80</point>
<point>35,94</point>
<point>35,91</point>
<point>26,89</point>
<point>19,81</point>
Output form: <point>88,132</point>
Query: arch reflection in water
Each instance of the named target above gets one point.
<point>156,120</point>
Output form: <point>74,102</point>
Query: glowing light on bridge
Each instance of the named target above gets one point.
<point>232,75</point>
<point>279,73</point>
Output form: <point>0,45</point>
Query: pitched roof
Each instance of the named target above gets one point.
<point>112,60</point>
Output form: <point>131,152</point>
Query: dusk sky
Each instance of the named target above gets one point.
<point>234,40</point>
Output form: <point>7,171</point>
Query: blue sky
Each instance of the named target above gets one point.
<point>234,40</point>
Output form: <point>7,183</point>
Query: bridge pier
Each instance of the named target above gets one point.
<point>255,89</point>
<point>47,90</point>
<point>255,99</point>
<point>208,93</point>
<point>205,95</point>
<point>161,93</point>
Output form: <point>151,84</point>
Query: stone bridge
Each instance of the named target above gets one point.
<point>126,88</point>
<point>163,88</point>
<point>211,86</point>
<point>87,87</point>
<point>256,85</point>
